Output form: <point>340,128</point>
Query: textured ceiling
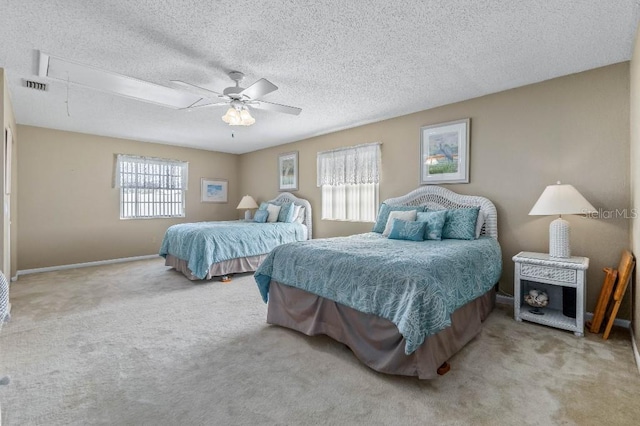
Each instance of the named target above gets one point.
<point>345,63</point>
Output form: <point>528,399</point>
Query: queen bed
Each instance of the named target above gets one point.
<point>204,250</point>
<point>403,307</point>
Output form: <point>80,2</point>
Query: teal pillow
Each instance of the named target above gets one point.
<point>461,224</point>
<point>383,215</point>
<point>435,222</point>
<point>263,206</point>
<point>261,216</point>
<point>407,230</point>
<point>286,213</point>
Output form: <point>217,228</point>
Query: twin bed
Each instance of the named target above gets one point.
<point>204,250</point>
<point>402,307</point>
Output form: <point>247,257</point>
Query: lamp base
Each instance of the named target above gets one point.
<point>247,215</point>
<point>559,239</point>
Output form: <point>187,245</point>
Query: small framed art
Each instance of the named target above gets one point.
<point>214,190</point>
<point>444,152</point>
<point>288,171</point>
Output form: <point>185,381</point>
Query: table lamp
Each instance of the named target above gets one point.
<point>247,203</point>
<point>560,199</point>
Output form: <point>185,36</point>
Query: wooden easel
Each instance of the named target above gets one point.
<point>616,281</point>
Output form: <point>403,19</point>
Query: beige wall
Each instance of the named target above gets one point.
<point>69,210</point>
<point>574,129</point>
<point>635,176</point>
<point>8,121</point>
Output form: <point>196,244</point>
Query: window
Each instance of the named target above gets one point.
<point>349,178</point>
<point>151,187</point>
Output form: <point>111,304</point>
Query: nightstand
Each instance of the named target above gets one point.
<point>564,280</point>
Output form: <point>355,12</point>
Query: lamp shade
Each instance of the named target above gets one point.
<point>247,202</point>
<point>561,199</point>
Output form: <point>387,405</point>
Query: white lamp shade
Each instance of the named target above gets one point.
<point>247,202</point>
<point>561,199</point>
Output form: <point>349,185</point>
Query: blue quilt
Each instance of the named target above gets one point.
<point>415,285</point>
<point>203,243</point>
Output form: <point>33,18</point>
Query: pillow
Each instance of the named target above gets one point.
<point>407,230</point>
<point>261,216</point>
<point>383,215</point>
<point>296,212</point>
<point>263,205</point>
<point>286,213</point>
<point>434,220</point>
<point>479,223</point>
<point>274,211</point>
<point>404,215</point>
<point>301,215</point>
<point>461,224</point>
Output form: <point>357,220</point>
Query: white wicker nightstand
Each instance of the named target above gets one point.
<point>552,275</point>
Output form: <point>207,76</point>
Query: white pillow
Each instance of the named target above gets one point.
<point>274,211</point>
<point>296,212</point>
<point>300,217</point>
<point>402,215</point>
<point>479,223</point>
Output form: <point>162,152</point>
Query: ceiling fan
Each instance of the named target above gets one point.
<point>238,98</point>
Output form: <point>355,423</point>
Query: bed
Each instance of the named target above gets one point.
<point>204,250</point>
<point>402,307</point>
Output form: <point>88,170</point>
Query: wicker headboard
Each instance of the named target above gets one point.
<point>287,197</point>
<point>439,198</point>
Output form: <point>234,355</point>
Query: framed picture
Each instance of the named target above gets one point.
<point>444,152</point>
<point>288,171</point>
<point>214,190</point>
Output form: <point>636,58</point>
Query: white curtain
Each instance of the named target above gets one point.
<point>150,173</point>
<point>349,179</point>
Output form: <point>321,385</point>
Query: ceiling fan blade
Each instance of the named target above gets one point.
<point>197,105</point>
<point>259,89</point>
<point>269,106</point>
<point>198,90</point>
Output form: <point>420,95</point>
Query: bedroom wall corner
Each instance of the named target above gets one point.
<point>634,127</point>
<point>69,210</point>
<point>573,128</point>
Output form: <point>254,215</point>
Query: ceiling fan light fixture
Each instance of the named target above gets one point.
<point>232,117</point>
<point>238,116</point>
<point>246,118</point>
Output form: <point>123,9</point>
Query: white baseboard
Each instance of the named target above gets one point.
<point>508,300</point>
<point>84,265</point>
<point>634,344</point>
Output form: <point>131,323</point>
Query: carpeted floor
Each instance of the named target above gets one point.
<point>138,344</point>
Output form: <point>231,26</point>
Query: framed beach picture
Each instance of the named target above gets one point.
<point>214,190</point>
<point>288,171</point>
<point>444,152</point>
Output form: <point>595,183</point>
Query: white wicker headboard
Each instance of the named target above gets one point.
<point>287,197</point>
<point>439,198</point>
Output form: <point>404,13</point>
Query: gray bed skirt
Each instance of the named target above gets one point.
<point>232,266</point>
<point>376,341</point>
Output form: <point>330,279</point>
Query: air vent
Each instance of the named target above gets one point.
<point>35,85</point>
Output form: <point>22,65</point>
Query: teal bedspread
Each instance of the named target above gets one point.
<point>415,285</point>
<point>203,243</point>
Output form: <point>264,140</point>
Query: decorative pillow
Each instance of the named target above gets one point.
<point>263,205</point>
<point>461,224</point>
<point>261,216</point>
<point>434,220</point>
<point>383,215</point>
<point>286,213</point>
<point>407,230</point>
<point>274,211</point>
<point>300,217</point>
<point>479,223</point>
<point>296,212</point>
<point>404,215</point>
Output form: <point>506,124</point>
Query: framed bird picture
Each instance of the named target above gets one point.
<point>444,152</point>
